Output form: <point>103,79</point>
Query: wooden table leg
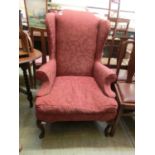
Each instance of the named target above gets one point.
<point>34,74</point>
<point>27,84</point>
<point>31,77</point>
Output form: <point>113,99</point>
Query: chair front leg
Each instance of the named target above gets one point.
<point>107,129</point>
<point>114,124</point>
<point>41,127</point>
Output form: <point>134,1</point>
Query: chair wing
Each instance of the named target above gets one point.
<point>46,74</point>
<point>104,77</point>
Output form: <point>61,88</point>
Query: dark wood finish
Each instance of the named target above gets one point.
<point>107,130</point>
<point>42,129</point>
<point>111,2</point>
<point>126,106</point>
<point>28,92</point>
<point>26,49</point>
<point>115,30</point>
<point>34,75</point>
<point>42,37</point>
<point>114,36</point>
<point>32,56</point>
<point>131,65</point>
<point>124,109</point>
<point>24,63</point>
<point>26,44</point>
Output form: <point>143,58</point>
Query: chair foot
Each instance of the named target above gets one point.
<point>112,131</point>
<point>114,123</point>
<point>42,135</point>
<point>107,130</point>
<point>41,127</point>
<point>20,148</point>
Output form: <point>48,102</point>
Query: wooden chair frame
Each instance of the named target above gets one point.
<point>127,108</point>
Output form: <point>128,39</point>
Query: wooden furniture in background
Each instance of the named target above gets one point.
<point>128,72</point>
<point>127,46</point>
<point>25,46</point>
<point>89,76</point>
<point>24,64</point>
<point>114,8</point>
<point>42,35</point>
<point>125,92</point>
<point>36,24</point>
<point>119,28</point>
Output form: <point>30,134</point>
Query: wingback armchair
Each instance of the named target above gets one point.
<point>75,85</point>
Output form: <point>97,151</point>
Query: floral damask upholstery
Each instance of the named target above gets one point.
<point>75,85</point>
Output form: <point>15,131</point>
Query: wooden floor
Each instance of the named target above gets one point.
<point>72,138</point>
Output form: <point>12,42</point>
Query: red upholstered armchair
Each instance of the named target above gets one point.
<point>75,85</point>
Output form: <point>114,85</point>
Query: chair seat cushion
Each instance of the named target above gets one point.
<point>127,91</point>
<point>75,98</point>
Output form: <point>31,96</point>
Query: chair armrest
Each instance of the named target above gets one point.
<point>46,74</point>
<point>104,78</point>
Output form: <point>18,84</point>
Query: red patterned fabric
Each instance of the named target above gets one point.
<point>103,30</point>
<point>46,74</point>
<point>75,95</point>
<point>75,86</point>
<point>104,77</point>
<point>51,26</point>
<point>76,43</point>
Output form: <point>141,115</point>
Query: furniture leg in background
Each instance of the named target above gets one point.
<point>24,63</point>
<point>28,92</point>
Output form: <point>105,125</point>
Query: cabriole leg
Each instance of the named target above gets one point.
<point>41,127</point>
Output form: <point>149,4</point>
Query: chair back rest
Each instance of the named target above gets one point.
<point>75,41</point>
<point>76,34</point>
<point>25,41</point>
<point>131,64</point>
<point>114,8</point>
<point>119,29</point>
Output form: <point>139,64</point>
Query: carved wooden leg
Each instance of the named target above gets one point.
<point>30,75</point>
<point>27,84</point>
<point>107,130</point>
<point>114,124</point>
<point>41,127</point>
<point>34,74</point>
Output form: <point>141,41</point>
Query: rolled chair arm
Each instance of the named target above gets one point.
<point>104,77</point>
<point>46,74</point>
